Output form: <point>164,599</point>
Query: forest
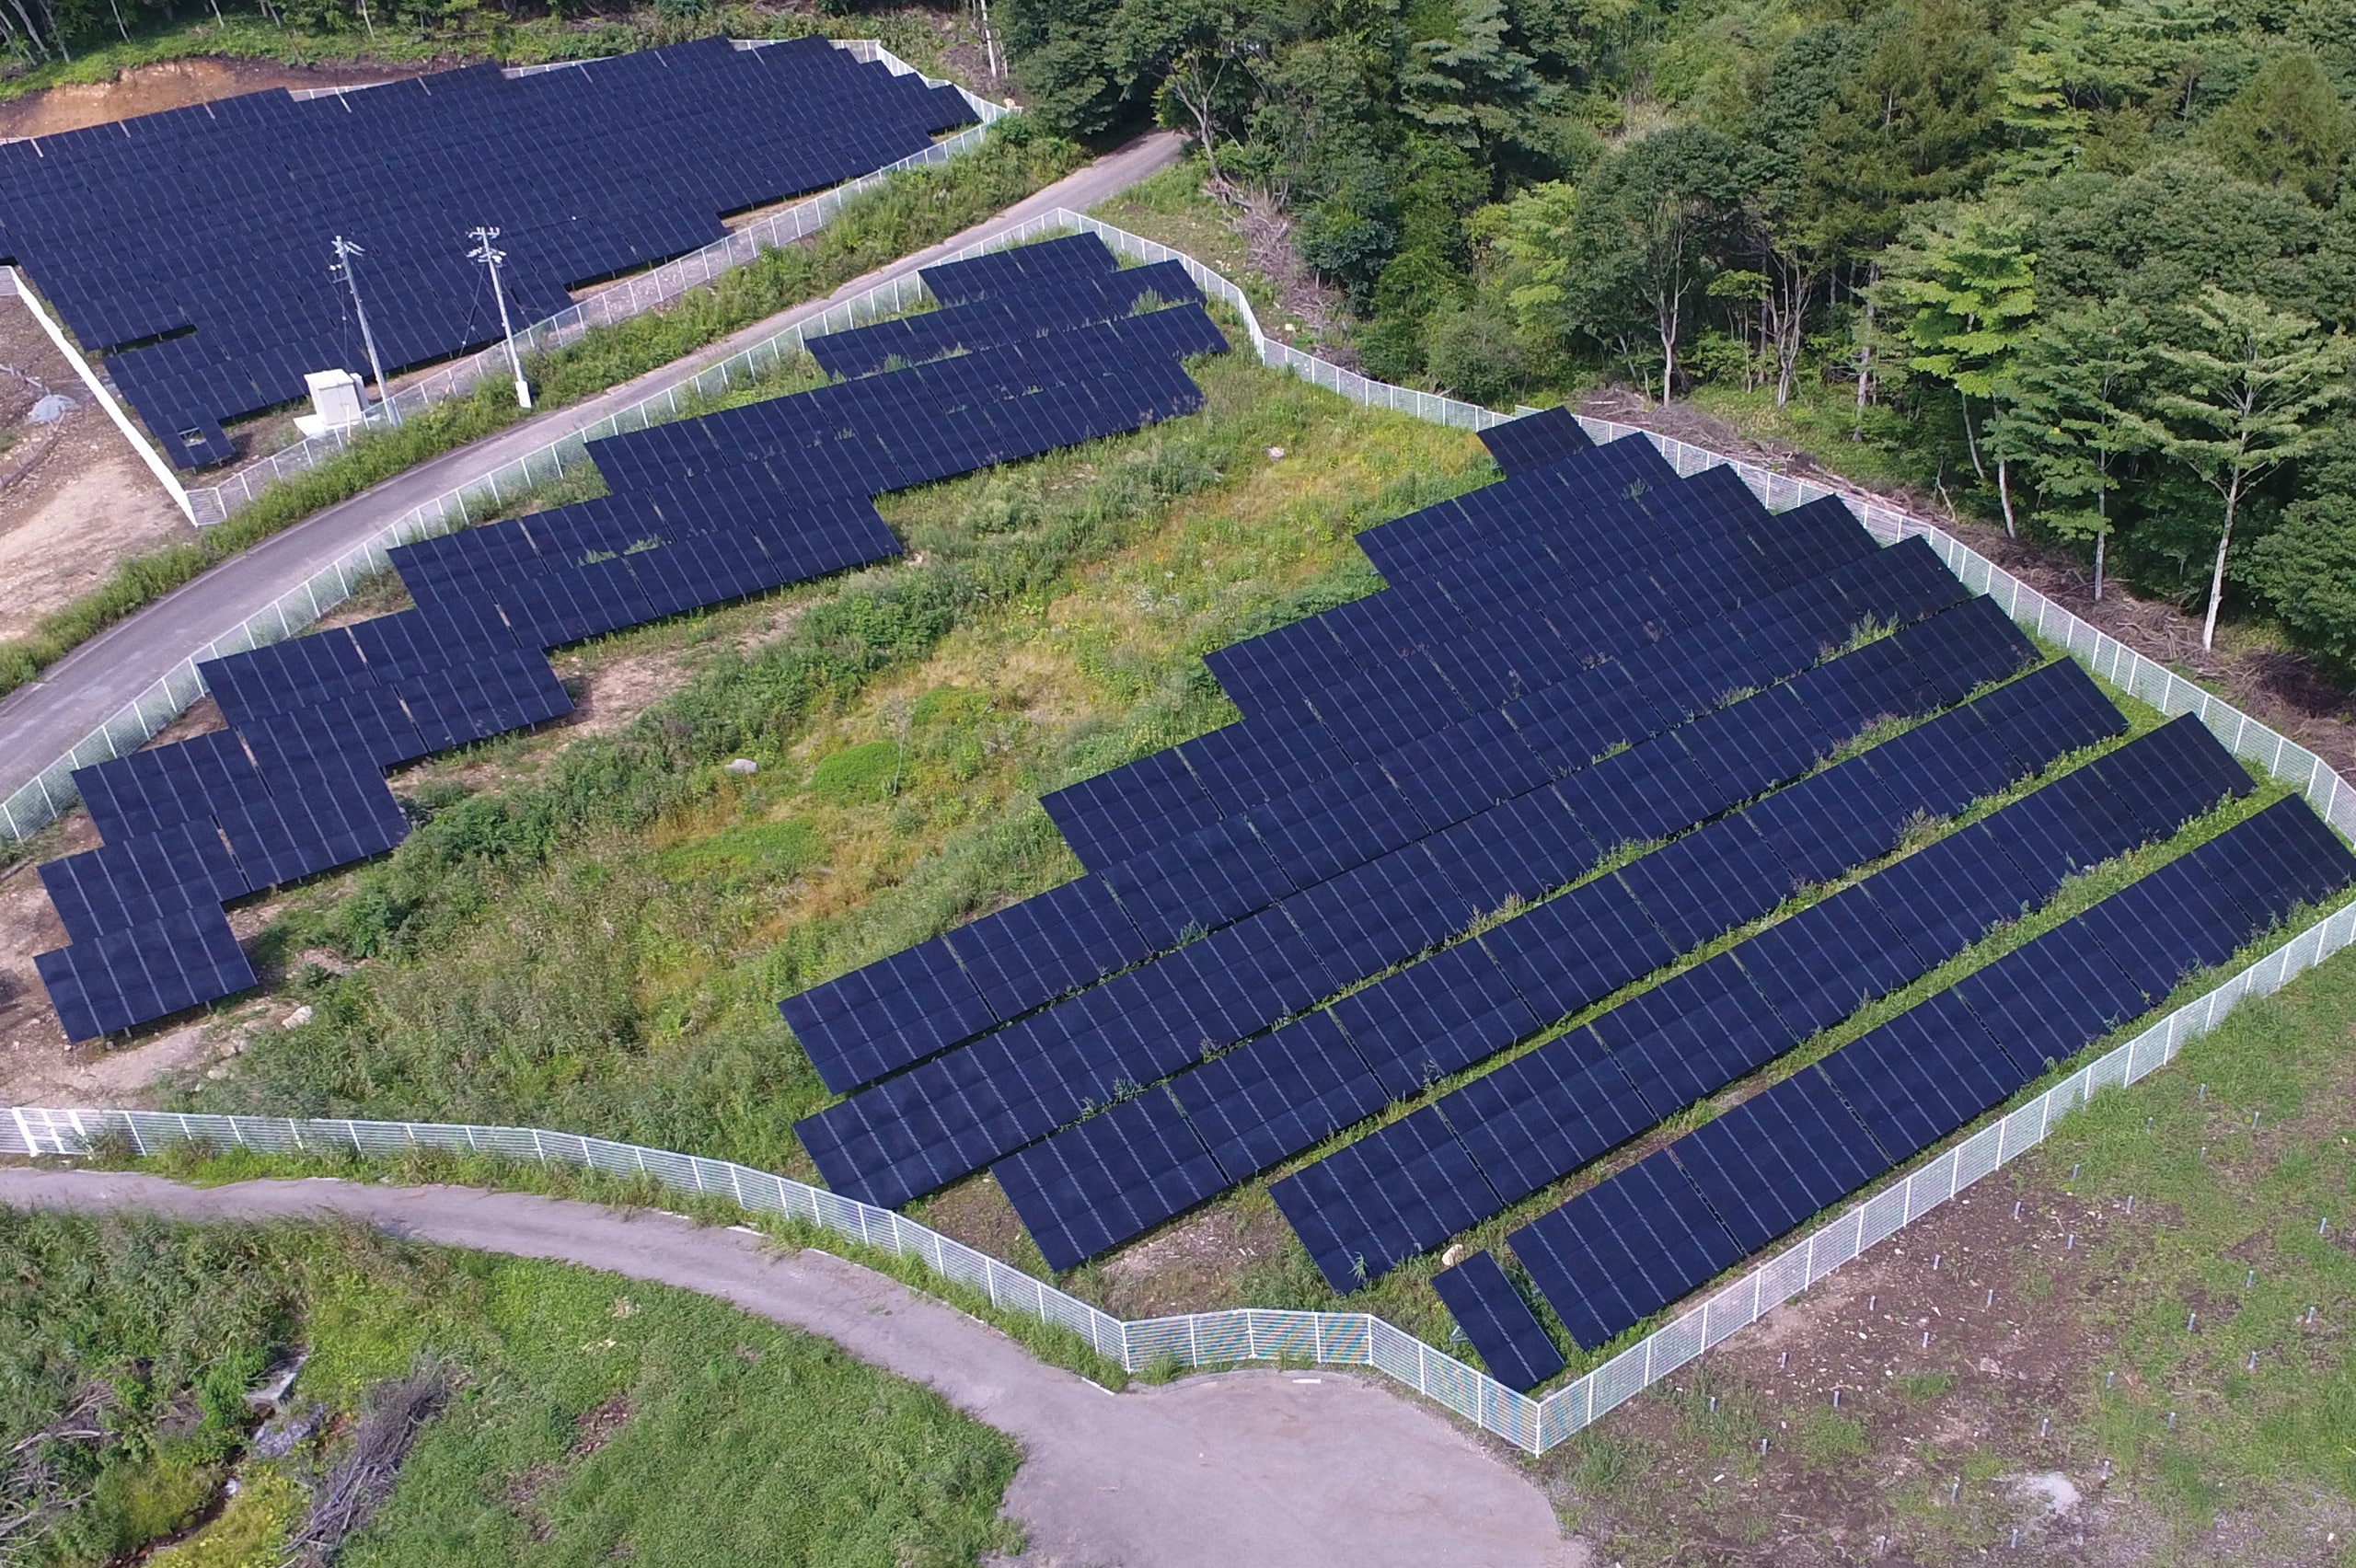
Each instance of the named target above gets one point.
<point>2082,268</point>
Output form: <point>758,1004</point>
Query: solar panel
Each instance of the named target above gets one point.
<point>700,511</point>
<point>1498,1322</point>
<point>1622,1249</point>
<point>1778,1157</point>
<point>1533,441</point>
<point>1272,1098</point>
<point>879,1019</point>
<point>1110,1177</point>
<point>1435,1017</point>
<point>597,173</point>
<point>1359,1221</point>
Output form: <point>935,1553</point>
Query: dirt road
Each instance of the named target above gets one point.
<point>1249,1469</point>
<point>41,722</point>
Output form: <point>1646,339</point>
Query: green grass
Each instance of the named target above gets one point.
<point>2234,1234</point>
<point>202,1166</point>
<point>740,1442</point>
<point>913,209</point>
<point>553,947</point>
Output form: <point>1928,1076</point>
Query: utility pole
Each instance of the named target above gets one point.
<point>344,251</point>
<point>490,258</point>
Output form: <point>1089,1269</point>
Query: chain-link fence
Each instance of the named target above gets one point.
<point>1215,1339</point>
<point>1333,1338</point>
<point>632,297</point>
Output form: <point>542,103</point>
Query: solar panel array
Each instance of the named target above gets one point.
<point>1274,939</point>
<point>1641,1239</point>
<point>193,244</point>
<point>1305,890</point>
<point>700,513</point>
<point>1544,1115</point>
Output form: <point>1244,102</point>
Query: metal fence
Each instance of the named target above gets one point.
<point>1240,1334</point>
<point>632,297</point>
<point>1339,1338</point>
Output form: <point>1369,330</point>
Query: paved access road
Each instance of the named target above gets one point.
<point>42,721</point>
<point>1248,1469</point>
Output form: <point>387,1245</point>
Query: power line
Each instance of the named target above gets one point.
<point>490,257</point>
<point>344,251</point>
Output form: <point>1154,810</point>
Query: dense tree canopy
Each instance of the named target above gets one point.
<point>2004,237</point>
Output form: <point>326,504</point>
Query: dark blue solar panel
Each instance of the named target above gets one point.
<point>1272,1098</point>
<point>1624,1249</point>
<point>1434,1018</point>
<point>1778,1157</point>
<point>1543,1115</point>
<point>1211,876</point>
<point>597,172</point>
<point>1577,949</point>
<point>1706,883</point>
<point>1497,1321</point>
<point>1533,441</point>
<point>1034,951</point>
<point>700,511</point>
<point>879,1019</point>
<point>1110,1177</point>
<point>1821,965</point>
<point>1369,1206</point>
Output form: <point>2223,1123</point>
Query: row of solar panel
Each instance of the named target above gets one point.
<point>188,826</point>
<point>1645,1237</point>
<point>980,1101</point>
<point>1414,660</point>
<point>1001,319</point>
<point>1367,1209</point>
<point>883,1018</point>
<point>580,195</point>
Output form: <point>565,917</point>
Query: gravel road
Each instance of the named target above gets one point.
<point>1245,1469</point>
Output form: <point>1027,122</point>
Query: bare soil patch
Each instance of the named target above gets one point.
<point>1938,1451</point>
<point>177,83</point>
<point>74,498</point>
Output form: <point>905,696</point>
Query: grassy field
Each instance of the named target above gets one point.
<point>593,932</point>
<point>591,1418</point>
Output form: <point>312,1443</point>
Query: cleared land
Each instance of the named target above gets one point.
<point>74,498</point>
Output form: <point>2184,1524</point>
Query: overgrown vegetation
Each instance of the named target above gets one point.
<point>2080,267</point>
<point>914,209</point>
<point>599,942</point>
<point>590,1418</point>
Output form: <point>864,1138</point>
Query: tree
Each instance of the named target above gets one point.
<point>1972,286</point>
<point>2307,568</point>
<point>1473,351</point>
<point>1644,236</point>
<point>2286,126</point>
<point>2248,380</point>
<point>2069,394</point>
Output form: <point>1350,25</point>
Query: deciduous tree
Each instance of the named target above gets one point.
<point>2247,381</point>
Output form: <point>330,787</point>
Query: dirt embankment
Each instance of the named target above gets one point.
<point>175,84</point>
